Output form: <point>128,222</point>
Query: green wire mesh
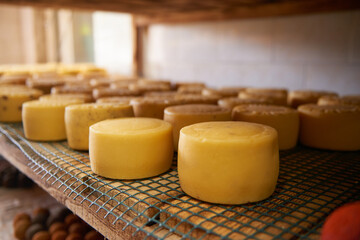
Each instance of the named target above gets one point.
<point>311,184</point>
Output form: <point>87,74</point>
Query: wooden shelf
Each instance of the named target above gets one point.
<point>153,11</point>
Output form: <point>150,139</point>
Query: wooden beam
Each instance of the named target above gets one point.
<point>138,48</point>
<point>152,11</point>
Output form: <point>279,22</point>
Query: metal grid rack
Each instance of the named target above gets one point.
<point>311,184</point>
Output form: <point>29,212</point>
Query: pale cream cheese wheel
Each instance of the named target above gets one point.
<point>184,115</point>
<point>330,127</point>
<point>228,162</point>
<point>45,120</point>
<point>285,120</point>
<point>130,148</point>
<point>78,119</point>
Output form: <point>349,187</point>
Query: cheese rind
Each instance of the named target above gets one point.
<point>44,120</point>
<point>78,119</point>
<point>130,148</point>
<point>11,100</point>
<point>184,115</point>
<point>300,97</point>
<point>330,127</point>
<point>285,120</point>
<point>228,162</point>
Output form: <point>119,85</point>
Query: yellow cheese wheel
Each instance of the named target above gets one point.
<point>119,100</point>
<point>300,97</point>
<point>44,120</point>
<point>196,99</point>
<point>189,84</point>
<point>11,99</point>
<point>130,148</point>
<point>184,115</point>
<point>330,127</point>
<point>78,119</point>
<point>228,162</point>
<point>44,84</point>
<point>223,92</point>
<point>285,120</point>
<point>67,96</point>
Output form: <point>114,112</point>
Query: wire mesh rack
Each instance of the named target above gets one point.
<point>311,184</point>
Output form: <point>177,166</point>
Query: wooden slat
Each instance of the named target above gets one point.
<point>187,10</point>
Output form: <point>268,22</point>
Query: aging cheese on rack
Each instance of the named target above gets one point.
<point>285,120</point>
<point>330,127</point>
<point>184,115</point>
<point>300,97</point>
<point>44,120</point>
<point>130,148</point>
<point>11,100</point>
<point>228,162</point>
<point>78,119</point>
<point>151,107</point>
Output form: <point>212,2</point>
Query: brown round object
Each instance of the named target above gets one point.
<point>72,218</point>
<point>232,102</point>
<point>300,97</point>
<point>57,226</point>
<point>41,210</point>
<point>78,227</point>
<point>58,216</point>
<point>21,228</point>
<point>59,235</point>
<point>74,236</point>
<point>34,228</point>
<point>42,235</point>
<point>20,216</point>
<point>93,235</point>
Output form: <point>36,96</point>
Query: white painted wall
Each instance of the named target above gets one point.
<point>113,42</point>
<point>320,51</point>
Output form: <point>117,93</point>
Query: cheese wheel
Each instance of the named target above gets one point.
<point>300,97</point>
<point>151,107</point>
<point>149,87</point>
<point>276,98</point>
<point>190,89</point>
<point>335,100</point>
<point>330,127</point>
<point>78,119</point>
<point>130,148</point>
<point>228,162</point>
<point>11,99</point>
<point>223,92</point>
<point>184,115</point>
<point>119,100</point>
<point>44,84</point>
<point>232,102</point>
<point>85,89</point>
<point>196,99</point>
<point>280,91</point>
<point>110,92</point>
<point>44,120</point>
<point>67,96</point>
<point>285,120</point>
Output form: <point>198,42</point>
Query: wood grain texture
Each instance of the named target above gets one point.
<point>152,11</point>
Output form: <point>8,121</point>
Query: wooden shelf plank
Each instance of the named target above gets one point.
<point>152,11</point>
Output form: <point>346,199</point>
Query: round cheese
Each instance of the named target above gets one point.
<point>67,96</point>
<point>78,119</point>
<point>300,97</point>
<point>276,98</point>
<point>228,162</point>
<point>335,100</point>
<point>130,148</point>
<point>232,102</point>
<point>151,107</point>
<point>44,120</point>
<point>11,99</point>
<point>184,115</point>
<point>285,120</point>
<point>330,127</point>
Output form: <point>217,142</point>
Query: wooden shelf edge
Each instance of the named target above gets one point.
<point>168,11</point>
<point>89,214</point>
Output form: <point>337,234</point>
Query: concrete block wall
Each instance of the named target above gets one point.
<point>320,51</point>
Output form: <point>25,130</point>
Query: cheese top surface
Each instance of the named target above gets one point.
<point>195,109</point>
<point>51,103</point>
<point>281,91</point>
<point>314,109</point>
<point>130,126</point>
<point>263,110</point>
<point>310,93</point>
<point>228,131</point>
<point>334,100</point>
<point>89,106</point>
